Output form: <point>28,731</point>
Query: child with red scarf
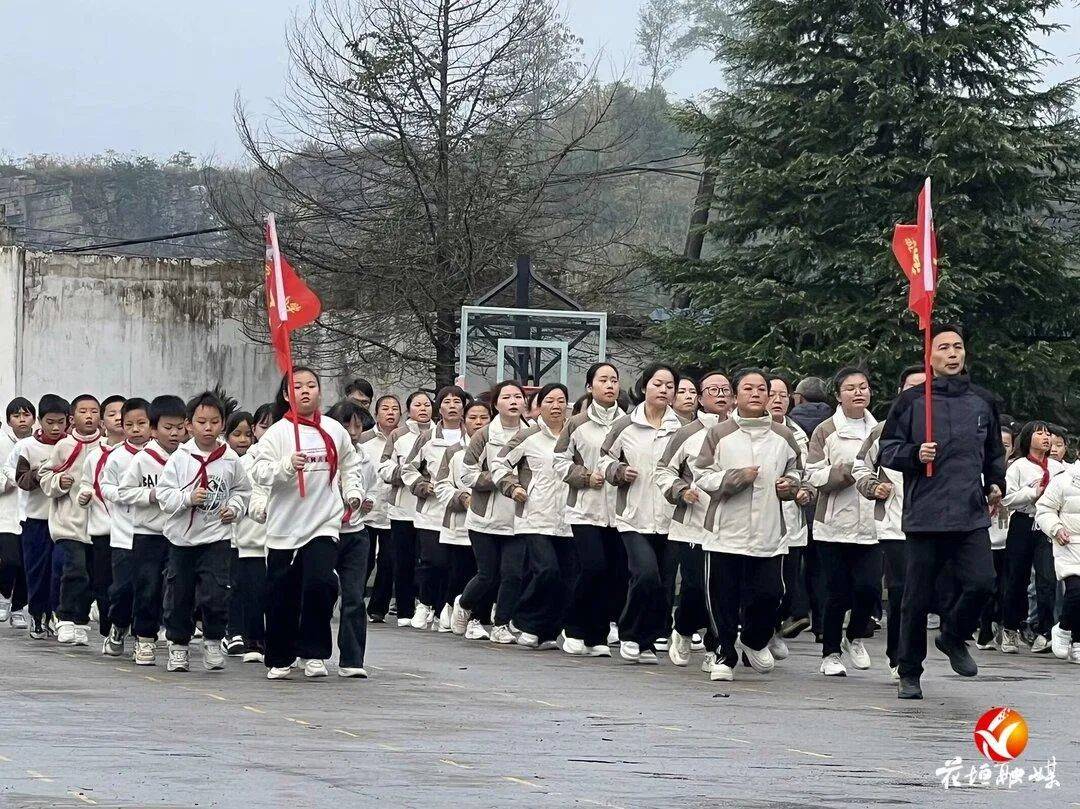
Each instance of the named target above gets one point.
<point>54,415</point>
<point>61,479</point>
<point>312,471</point>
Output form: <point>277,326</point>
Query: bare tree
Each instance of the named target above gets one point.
<point>661,30</point>
<point>422,145</point>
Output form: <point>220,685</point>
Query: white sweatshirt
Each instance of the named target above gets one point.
<point>97,513</point>
<point>29,454</point>
<point>868,473</point>
<point>139,480</point>
<point>291,520</point>
<point>418,473</point>
<point>1021,478</point>
<point>249,533</point>
<point>11,507</point>
<point>841,514</point>
<point>633,442</point>
<point>67,519</point>
<point>227,484</point>
<point>397,452</point>
<point>490,511</point>
<point>675,475</point>
<point>121,514</point>
<point>1058,508</point>
<point>452,493</point>
<point>528,461</point>
<point>372,443</point>
<point>354,520</point>
<point>577,455</point>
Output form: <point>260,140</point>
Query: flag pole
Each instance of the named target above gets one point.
<point>928,372</point>
<point>930,287</point>
<point>283,318</point>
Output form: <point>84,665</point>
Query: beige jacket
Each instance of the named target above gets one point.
<point>1058,508</point>
<point>674,475</point>
<point>529,461</point>
<point>490,511</point>
<point>842,514</point>
<point>868,473</point>
<point>577,455</point>
<point>419,472</point>
<point>398,451</point>
<point>67,519</point>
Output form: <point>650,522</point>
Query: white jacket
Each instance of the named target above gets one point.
<point>868,473</point>
<point>398,451</point>
<point>372,443</point>
<point>418,473</point>
<point>27,457</point>
<point>490,511</point>
<point>355,520</point>
<point>97,511</point>
<point>747,519</point>
<point>577,455</point>
<point>633,442</point>
<point>794,515</point>
<point>140,479</point>
<point>67,519</point>
<point>227,484</point>
<point>293,521</point>
<point>529,461</point>
<point>121,514</point>
<point>1021,478</point>
<point>452,493</point>
<point>249,533</point>
<point>1058,508</point>
<point>675,475</point>
<point>11,507</point>
<point>841,514</point>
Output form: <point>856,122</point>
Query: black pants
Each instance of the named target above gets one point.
<point>992,612</point>
<point>649,558</point>
<point>75,592</point>
<point>814,578</point>
<point>973,571</point>
<point>599,592</point>
<point>37,555</point>
<point>380,560</point>
<point>1025,547</point>
<point>301,589</point>
<point>743,591</point>
<point>795,603</point>
<point>247,601</point>
<point>551,570</point>
<point>236,606</point>
<point>403,542</point>
<point>197,579</point>
<point>894,552</point>
<point>500,564</point>
<point>12,577</point>
<point>1070,608</point>
<point>149,558</point>
<point>691,604</point>
<point>352,570</point>
<point>122,591</point>
<point>852,582</point>
<point>433,571</point>
<point>101,579</point>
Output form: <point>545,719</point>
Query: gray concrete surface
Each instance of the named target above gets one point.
<point>444,722</point>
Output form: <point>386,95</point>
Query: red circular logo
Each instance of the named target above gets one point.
<point>1001,734</point>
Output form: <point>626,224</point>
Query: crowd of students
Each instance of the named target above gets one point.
<point>724,514</point>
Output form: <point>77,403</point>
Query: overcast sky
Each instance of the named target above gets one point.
<point>156,78</point>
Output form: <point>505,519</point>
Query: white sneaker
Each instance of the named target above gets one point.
<point>696,643</point>
<point>19,620</point>
<point>933,621</point>
<point>1041,645</point>
<point>1060,640</point>
<point>856,650</point>
<point>1010,642</point>
<point>253,657</point>
<point>602,650</point>
<point>5,610</point>
<point>721,672</point>
<point>404,622</point>
<point>315,668</point>
<point>459,619</point>
<point>628,650</point>
<point>833,666</point>
<point>648,656</point>
<point>358,672</point>
<point>278,672</point>
<point>213,658</point>
<point>528,640</point>
<point>1074,653</point>
<point>444,618</point>
<point>475,630</point>
<point>661,644</point>
<point>82,638</point>
<point>778,647</point>
<point>422,617</point>
<point>760,660</point>
<point>178,658</point>
<point>113,645</point>
<point>502,634</point>
<point>708,663</point>
<point>198,633</point>
<point>613,634</point>
<point>575,646</point>
<point>95,614</point>
<point>894,673</point>
<point>679,649</point>
<point>65,632</point>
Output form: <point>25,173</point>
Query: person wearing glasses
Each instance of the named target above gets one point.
<point>844,525</point>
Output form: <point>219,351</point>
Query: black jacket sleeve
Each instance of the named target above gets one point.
<point>899,449</point>
<point>994,453</point>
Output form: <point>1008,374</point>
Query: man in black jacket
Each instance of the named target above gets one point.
<point>946,517</point>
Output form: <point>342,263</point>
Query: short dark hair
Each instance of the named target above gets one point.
<point>715,372</point>
<point>742,373</point>
<point>452,390</point>
<point>345,411</point>
<point>384,397</point>
<point>1009,424</point>
<point>109,400</point>
<point>236,418</point>
<point>50,403</point>
<point>133,404</point>
<point>360,385</point>
<point>845,372</point>
<point>262,411</point>
<point>1058,430</point>
<point>941,328</point>
<point>205,399</point>
<point>18,405</point>
<point>911,370</point>
<point>497,388</point>
<point>84,397</point>
<point>409,399</point>
<point>813,389</point>
<point>166,407</point>
<point>596,366</point>
<point>548,388</point>
<point>648,372</point>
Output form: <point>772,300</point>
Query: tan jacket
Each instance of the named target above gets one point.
<point>419,472</point>
<point>674,475</point>
<point>528,461</point>
<point>842,514</point>
<point>868,473</point>
<point>453,494</point>
<point>490,511</point>
<point>67,519</point>
<point>399,450</point>
<point>577,455</point>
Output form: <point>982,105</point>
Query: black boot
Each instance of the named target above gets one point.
<point>909,688</point>
<point>959,657</point>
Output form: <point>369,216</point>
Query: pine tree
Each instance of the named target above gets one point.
<point>839,109</point>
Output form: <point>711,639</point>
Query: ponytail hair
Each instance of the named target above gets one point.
<point>648,373</point>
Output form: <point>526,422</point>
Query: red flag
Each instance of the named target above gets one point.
<point>911,244</point>
<point>290,303</point>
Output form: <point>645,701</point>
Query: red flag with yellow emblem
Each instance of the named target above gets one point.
<point>915,247</point>
<point>290,303</point>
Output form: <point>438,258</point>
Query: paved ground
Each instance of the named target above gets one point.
<point>445,723</point>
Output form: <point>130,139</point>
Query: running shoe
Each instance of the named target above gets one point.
<point>679,649</point>
<point>82,636</point>
<point>178,658</point>
<point>856,651</point>
<point>502,634</point>
<point>459,618</point>
<point>18,620</point>
<point>475,630</point>
<point>213,656</point>
<point>5,610</point>
<point>113,645</point>
<point>357,672</point>
<point>65,633</point>
<point>613,634</point>
<point>760,660</point>
<point>1041,645</point>
<point>628,650</point>
<point>315,668</point>
<point>145,652</point>
<point>833,666</point>
<point>1060,640</point>
<point>778,648</point>
<point>278,672</point>
<point>1010,642</point>
<point>423,617</point>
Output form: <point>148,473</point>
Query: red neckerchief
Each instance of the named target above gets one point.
<point>155,455</point>
<point>331,448</point>
<point>80,445</point>
<point>200,476</point>
<point>40,436</point>
<point>106,451</point>
<point>1044,464</point>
